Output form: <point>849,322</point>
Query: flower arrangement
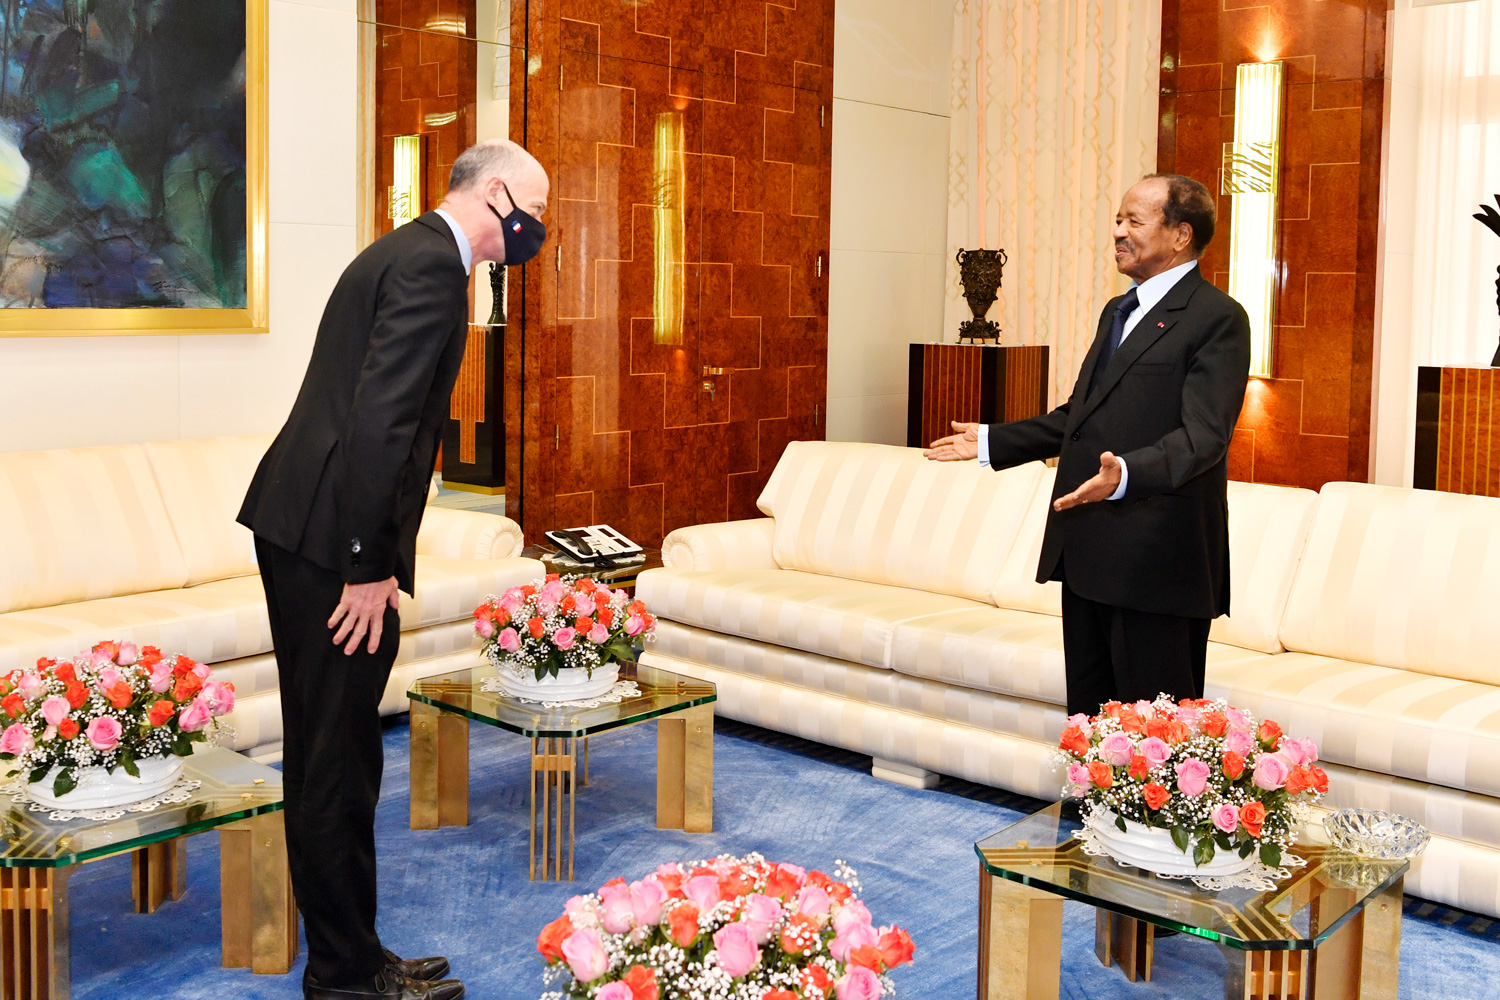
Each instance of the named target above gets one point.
<point>110,707</point>
<point>560,622</point>
<point>1206,772</point>
<point>731,928</point>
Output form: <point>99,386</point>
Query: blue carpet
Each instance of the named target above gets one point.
<point>463,892</point>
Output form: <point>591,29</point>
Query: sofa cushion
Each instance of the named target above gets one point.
<point>203,483</point>
<point>1018,653</point>
<point>848,619</point>
<point>450,589</point>
<point>1268,528</point>
<point>881,514</point>
<point>80,525</point>
<point>1400,722</point>
<point>1015,586</point>
<point>1402,578</point>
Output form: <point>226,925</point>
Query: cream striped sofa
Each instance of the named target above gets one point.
<point>888,605</point>
<point>139,543</point>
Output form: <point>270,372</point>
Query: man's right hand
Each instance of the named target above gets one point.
<point>962,446</point>
<point>362,610</point>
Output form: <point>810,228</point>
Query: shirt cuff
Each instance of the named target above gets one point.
<point>1124,479</point>
<point>984,445</point>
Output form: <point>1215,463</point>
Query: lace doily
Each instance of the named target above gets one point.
<point>1259,876</point>
<point>182,790</point>
<point>615,695</point>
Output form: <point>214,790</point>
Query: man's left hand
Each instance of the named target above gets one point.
<point>1101,487</point>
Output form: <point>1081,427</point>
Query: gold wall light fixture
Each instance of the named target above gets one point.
<point>406,179</point>
<point>668,177</point>
<point>1251,174</point>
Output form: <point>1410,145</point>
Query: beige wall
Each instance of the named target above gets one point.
<point>65,392</point>
<point>890,191</point>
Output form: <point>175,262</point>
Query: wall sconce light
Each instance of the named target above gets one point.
<point>406,179</point>
<point>1252,169</point>
<point>668,177</point>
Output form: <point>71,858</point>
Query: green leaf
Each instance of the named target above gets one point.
<point>7,756</point>
<point>63,783</point>
<point>1120,822</point>
<point>1222,839</point>
<point>1203,853</point>
<point>38,773</point>
<point>1246,848</point>
<point>540,669</point>
<point>1270,855</point>
<point>1181,838</point>
<point>183,745</point>
<point>127,761</point>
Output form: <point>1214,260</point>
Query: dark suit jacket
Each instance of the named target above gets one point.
<point>1167,404</point>
<point>345,481</point>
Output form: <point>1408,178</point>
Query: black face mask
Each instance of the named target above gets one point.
<point>524,234</point>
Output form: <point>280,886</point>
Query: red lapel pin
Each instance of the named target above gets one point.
<point>1160,325</point>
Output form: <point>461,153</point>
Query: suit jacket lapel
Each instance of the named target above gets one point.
<point>1152,327</point>
<point>436,223</point>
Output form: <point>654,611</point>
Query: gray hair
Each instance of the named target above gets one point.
<point>484,160</point>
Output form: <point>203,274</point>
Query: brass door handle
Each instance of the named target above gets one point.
<point>712,371</point>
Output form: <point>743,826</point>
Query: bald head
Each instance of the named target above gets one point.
<point>491,177</point>
<point>492,158</point>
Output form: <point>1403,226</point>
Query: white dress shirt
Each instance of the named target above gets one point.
<point>464,250</point>
<point>1148,293</point>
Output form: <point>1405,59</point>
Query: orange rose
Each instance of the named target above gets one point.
<point>642,983</point>
<point>815,977</point>
<point>161,712</point>
<point>605,616</point>
<point>1074,741</point>
<point>187,686</point>
<point>672,882</point>
<point>781,885</point>
<point>1270,733</point>
<point>1157,728</point>
<point>1132,723</point>
<point>549,942</point>
<point>568,604</point>
<point>45,664</point>
<point>1178,732</point>
<point>120,695</point>
<point>553,576</point>
<point>76,694</point>
<point>537,627</point>
<point>779,994</point>
<point>583,625</point>
<point>840,892</point>
<point>682,925</point>
<point>108,647</point>
<point>1298,780</point>
<point>799,935</point>
<point>1138,767</point>
<point>13,704</point>
<point>637,608</point>
<point>484,611</point>
<point>1234,765</point>
<point>529,591</point>
<point>735,884</point>
<point>67,729</point>
<point>1252,815</point>
<point>585,586</point>
<point>1320,779</point>
<point>1111,709</point>
<point>895,947</point>
<point>1156,795</point>
<point>182,665</point>
<point>1100,774</point>
<point>500,617</point>
<point>865,956</point>
<point>66,674</point>
<point>1214,724</point>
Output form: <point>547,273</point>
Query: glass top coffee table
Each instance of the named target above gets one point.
<point>236,796</point>
<point>1330,930</point>
<point>442,706</point>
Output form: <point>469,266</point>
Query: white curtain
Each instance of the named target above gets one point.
<point>1054,116</point>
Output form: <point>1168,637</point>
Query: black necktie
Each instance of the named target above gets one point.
<point>1127,306</point>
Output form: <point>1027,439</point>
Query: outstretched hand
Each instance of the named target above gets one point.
<point>960,447</point>
<point>1100,487</point>
<point>362,610</point>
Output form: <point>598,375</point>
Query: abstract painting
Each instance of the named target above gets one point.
<point>131,166</point>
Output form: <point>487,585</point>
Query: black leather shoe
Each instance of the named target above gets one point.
<point>427,970</point>
<point>388,984</point>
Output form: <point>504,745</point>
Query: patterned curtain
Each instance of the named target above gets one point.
<point>1054,115</point>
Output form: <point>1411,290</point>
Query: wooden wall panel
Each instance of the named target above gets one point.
<point>1458,430</point>
<point>627,433</point>
<point>1311,423</point>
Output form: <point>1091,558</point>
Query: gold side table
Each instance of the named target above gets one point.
<point>443,705</point>
<point>1330,931</point>
<point>238,797</point>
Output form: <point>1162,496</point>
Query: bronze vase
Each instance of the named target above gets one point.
<point>979,271</point>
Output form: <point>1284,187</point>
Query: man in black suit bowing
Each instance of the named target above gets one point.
<point>1138,532</point>
<point>335,506</point>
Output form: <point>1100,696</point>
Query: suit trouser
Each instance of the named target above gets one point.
<point>331,764</point>
<point>1115,654</point>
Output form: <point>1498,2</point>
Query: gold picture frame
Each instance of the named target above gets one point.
<point>148,321</point>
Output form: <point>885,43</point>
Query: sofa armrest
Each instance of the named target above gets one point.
<point>468,534</point>
<point>727,545</point>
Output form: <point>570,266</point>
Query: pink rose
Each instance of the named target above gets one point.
<point>220,697</point>
<point>515,595</point>
<point>793,872</point>
<point>759,914</point>
<point>616,912</point>
<point>1239,741</point>
<point>737,950</point>
<point>814,901</point>
<point>55,709</point>
<point>1082,722</point>
<point>1144,709</point>
<point>1078,777</point>
<point>647,897</point>
<point>512,606</point>
<point>615,991</point>
<point>635,625</point>
<point>129,654</point>
<point>1192,777</point>
<point>1116,749</point>
<point>585,955</point>
<point>598,635</point>
<point>1239,719</point>
<point>17,739</point>
<point>192,718</point>
<point>1297,751</point>
<point>582,912</point>
<point>109,677</point>
<point>703,890</point>
<point>103,733</point>
<point>1191,718</point>
<point>1270,772</point>
<point>1226,817</point>
<point>201,669</point>
<point>851,913</point>
<point>854,936</point>
<point>554,592</point>
<point>858,983</point>
<point>583,605</point>
<point>484,627</point>
<point>564,638</point>
<point>1155,751</point>
<point>510,640</point>
<point>32,686</point>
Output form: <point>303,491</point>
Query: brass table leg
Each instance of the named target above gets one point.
<point>1130,942</point>
<point>158,872</point>
<point>1265,975</point>
<point>34,933</point>
<point>1361,960</point>
<point>258,915</point>
<point>1020,941</point>
<point>439,768</point>
<point>553,766</point>
<point>685,770</point>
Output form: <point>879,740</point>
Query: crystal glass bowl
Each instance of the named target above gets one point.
<point>1374,833</point>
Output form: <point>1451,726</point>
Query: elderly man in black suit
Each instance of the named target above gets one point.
<point>1138,532</point>
<point>335,506</point>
